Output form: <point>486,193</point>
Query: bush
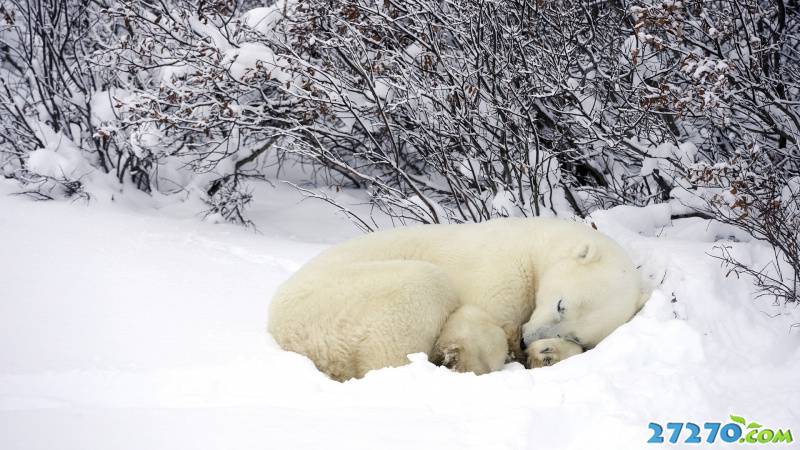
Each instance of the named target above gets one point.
<point>450,111</point>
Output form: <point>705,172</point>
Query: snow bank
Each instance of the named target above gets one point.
<point>246,58</point>
<point>59,158</point>
<point>265,19</point>
<point>125,329</point>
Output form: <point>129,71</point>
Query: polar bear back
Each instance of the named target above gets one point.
<point>360,316</point>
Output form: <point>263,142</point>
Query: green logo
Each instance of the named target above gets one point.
<point>757,434</point>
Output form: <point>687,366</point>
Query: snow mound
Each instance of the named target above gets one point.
<point>59,158</point>
<point>125,329</point>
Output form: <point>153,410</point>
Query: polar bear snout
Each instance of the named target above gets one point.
<point>543,332</point>
<point>543,324</point>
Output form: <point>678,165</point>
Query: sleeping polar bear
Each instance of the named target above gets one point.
<point>460,293</point>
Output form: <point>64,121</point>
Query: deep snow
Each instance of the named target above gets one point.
<point>125,327</point>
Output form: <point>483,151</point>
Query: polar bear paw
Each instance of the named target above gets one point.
<point>446,355</point>
<point>546,352</point>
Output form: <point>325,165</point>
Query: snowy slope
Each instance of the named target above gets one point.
<point>129,328</point>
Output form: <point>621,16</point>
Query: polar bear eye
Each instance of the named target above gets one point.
<point>560,307</point>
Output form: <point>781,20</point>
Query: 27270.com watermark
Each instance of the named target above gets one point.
<point>738,431</point>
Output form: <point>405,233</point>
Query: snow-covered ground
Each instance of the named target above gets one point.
<point>125,327</point>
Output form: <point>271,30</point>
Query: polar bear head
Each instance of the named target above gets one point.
<point>585,295</point>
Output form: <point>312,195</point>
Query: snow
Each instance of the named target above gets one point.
<point>54,163</point>
<point>102,106</point>
<point>503,203</point>
<point>59,158</point>
<point>247,58</point>
<point>685,153</point>
<point>128,327</point>
<point>265,19</point>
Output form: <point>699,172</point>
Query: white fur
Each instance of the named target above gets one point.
<point>471,341</point>
<point>369,302</point>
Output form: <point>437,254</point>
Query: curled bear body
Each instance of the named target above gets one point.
<point>452,291</point>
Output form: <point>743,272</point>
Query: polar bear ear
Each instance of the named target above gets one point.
<point>586,253</point>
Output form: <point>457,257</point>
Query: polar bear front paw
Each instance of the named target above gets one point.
<point>546,352</point>
<point>446,355</point>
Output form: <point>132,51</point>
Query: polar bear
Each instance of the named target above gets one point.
<point>460,293</point>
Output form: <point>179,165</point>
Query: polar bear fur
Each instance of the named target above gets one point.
<point>470,341</point>
<point>460,293</point>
